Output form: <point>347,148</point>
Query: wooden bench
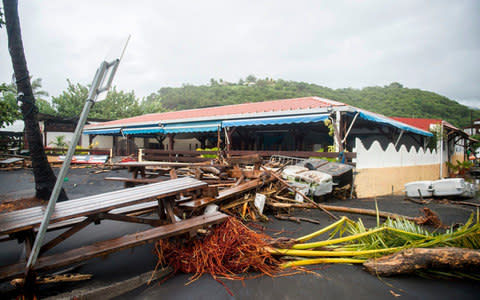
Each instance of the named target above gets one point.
<point>10,162</point>
<point>78,213</point>
<point>20,220</point>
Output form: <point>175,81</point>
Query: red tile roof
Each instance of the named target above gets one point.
<point>423,124</point>
<point>236,109</point>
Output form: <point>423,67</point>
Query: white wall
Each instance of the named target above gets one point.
<point>101,141</point>
<point>376,157</point>
<point>52,137</point>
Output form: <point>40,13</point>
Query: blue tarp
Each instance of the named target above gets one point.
<point>275,120</point>
<point>108,131</point>
<point>391,122</point>
<point>142,130</point>
<point>206,126</point>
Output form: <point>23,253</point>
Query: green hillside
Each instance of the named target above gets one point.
<point>391,100</point>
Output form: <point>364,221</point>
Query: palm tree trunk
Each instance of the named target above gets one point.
<point>43,174</point>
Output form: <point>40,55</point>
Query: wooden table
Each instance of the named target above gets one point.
<point>140,174</point>
<point>21,224</point>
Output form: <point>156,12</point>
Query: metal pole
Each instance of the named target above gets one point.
<point>350,128</point>
<point>92,95</point>
<point>399,137</point>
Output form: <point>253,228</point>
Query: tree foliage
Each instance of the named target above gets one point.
<point>117,104</point>
<point>9,106</point>
<point>9,111</point>
<point>70,102</point>
<point>152,104</point>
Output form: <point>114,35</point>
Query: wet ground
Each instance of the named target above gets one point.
<point>329,282</point>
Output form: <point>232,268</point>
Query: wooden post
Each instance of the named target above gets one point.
<point>202,140</point>
<point>171,141</point>
<point>229,138</point>
<point>115,144</point>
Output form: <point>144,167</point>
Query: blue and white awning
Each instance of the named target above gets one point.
<point>142,130</point>
<point>276,120</point>
<point>207,126</point>
<point>107,131</point>
<point>384,120</point>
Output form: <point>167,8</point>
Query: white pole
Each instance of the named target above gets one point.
<point>441,150</point>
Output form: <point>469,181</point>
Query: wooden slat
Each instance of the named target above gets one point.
<point>198,203</point>
<point>241,188</point>
<point>132,209</point>
<point>28,218</point>
<point>135,180</point>
<point>59,260</point>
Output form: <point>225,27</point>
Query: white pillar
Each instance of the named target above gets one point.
<point>336,136</point>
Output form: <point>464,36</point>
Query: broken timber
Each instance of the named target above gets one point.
<point>362,211</point>
<point>319,206</point>
<point>415,259</point>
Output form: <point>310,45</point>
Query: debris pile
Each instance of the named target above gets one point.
<point>229,250</point>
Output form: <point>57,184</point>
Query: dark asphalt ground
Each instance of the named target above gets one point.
<point>330,281</point>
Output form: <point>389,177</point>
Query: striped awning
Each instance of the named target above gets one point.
<point>107,131</point>
<point>206,126</point>
<point>275,120</point>
<point>142,130</point>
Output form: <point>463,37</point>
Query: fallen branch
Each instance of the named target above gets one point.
<point>18,282</point>
<point>296,219</point>
<point>415,259</point>
<point>466,203</point>
<point>421,202</point>
<point>361,211</point>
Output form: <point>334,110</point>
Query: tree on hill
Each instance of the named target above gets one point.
<point>390,100</point>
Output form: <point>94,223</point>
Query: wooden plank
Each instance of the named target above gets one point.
<point>28,218</point>
<point>198,203</point>
<point>241,188</point>
<point>103,248</point>
<point>135,180</point>
<point>124,218</point>
<point>237,173</point>
<point>245,159</point>
<point>301,154</point>
<point>128,210</point>
<point>62,237</point>
<point>11,160</point>
<point>168,205</point>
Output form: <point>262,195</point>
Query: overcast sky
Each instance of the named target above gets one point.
<point>431,45</point>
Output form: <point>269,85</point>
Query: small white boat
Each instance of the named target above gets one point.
<point>448,187</point>
<point>419,189</point>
